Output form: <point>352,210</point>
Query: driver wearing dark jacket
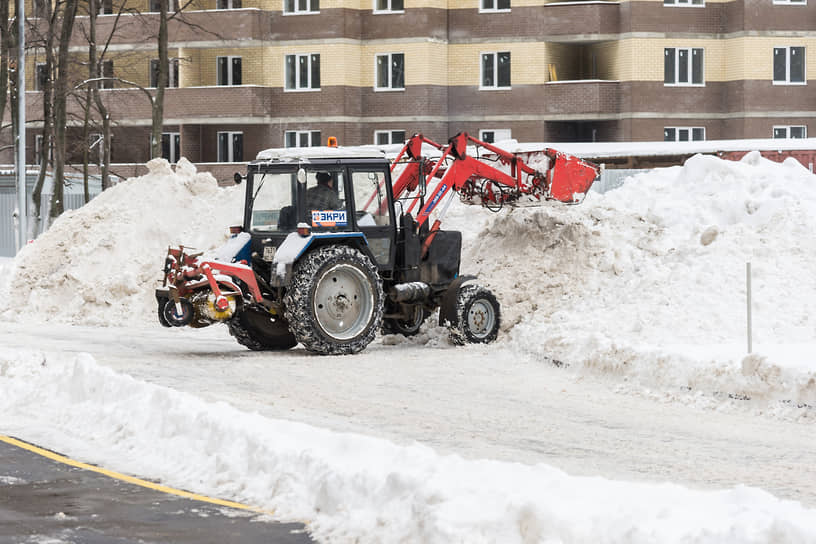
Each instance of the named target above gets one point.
<point>323,195</point>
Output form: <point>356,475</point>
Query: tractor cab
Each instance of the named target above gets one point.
<point>324,194</point>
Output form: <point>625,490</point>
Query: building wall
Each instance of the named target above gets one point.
<point>578,70</point>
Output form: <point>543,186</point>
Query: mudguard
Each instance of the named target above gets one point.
<point>448,306</point>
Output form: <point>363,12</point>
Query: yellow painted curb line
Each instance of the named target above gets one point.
<point>125,478</point>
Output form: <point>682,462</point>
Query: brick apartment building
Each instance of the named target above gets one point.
<point>253,74</point>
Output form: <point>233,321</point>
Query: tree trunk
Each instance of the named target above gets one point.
<point>161,84</point>
<point>93,72</point>
<point>60,107</point>
<point>4,55</point>
<point>47,101</point>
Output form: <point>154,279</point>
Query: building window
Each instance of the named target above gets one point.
<point>107,72</point>
<point>229,70</point>
<point>791,131</point>
<point>386,137</point>
<point>40,8</point>
<point>683,66</point>
<point>301,138</point>
<point>684,2</point>
<point>296,7</point>
<point>230,146</point>
<point>494,5</point>
<point>496,70</point>
<point>171,146</point>
<point>228,4</point>
<point>388,6</point>
<point>684,134</point>
<point>155,5</point>
<point>41,77</point>
<point>494,135</point>
<point>789,65</point>
<point>390,74</point>
<point>302,72</point>
<point>172,73</point>
<point>791,2</point>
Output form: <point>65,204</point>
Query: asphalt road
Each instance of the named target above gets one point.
<point>45,501</point>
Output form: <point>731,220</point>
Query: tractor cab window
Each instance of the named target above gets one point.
<point>272,208</point>
<point>370,199</point>
<point>325,199</point>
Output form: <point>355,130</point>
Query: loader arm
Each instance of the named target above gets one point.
<point>566,178</point>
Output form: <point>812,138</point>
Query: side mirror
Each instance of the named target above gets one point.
<point>237,178</point>
<point>301,175</point>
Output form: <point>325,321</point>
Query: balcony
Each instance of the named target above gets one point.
<point>200,105</point>
<point>582,99</point>
<point>582,21</point>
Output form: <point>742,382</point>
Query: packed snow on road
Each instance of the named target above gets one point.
<point>618,405</point>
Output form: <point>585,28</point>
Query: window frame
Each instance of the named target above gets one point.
<point>390,56</point>
<point>38,86</point>
<point>106,70</point>
<point>230,145</point>
<point>229,4</point>
<point>297,11</point>
<point>172,73</point>
<point>690,130</point>
<point>390,134</point>
<point>787,80</point>
<point>787,129</point>
<point>309,133</point>
<point>495,86</point>
<point>495,131</point>
<point>684,4</point>
<point>494,9</point>
<point>230,71</point>
<point>310,70</point>
<point>388,10</point>
<point>690,71</point>
<point>790,2</point>
<point>173,137</point>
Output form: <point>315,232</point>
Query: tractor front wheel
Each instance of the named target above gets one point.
<point>258,330</point>
<point>477,316</point>
<point>335,302</point>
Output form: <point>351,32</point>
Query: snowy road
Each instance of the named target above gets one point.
<point>527,411</point>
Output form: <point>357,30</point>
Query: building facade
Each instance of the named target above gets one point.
<point>252,74</point>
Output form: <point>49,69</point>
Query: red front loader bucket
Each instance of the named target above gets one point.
<point>570,177</point>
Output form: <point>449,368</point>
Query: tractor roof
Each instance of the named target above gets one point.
<point>308,154</point>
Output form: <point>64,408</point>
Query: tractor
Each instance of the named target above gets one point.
<point>330,253</point>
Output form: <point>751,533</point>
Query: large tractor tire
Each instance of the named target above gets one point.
<point>258,330</point>
<point>335,302</point>
<point>477,316</point>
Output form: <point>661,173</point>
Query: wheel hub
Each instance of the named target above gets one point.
<point>480,318</point>
<point>343,303</point>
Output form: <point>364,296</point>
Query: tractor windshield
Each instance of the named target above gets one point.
<point>272,208</point>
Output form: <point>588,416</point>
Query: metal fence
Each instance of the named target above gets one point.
<point>74,198</point>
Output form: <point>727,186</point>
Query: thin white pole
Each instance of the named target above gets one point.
<point>21,132</point>
<point>748,290</point>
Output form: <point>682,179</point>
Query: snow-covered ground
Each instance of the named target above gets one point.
<point>622,361</point>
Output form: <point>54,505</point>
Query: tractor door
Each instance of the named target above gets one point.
<point>374,211</point>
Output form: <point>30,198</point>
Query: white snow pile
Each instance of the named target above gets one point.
<point>353,488</point>
<point>99,265</point>
<point>648,281</point>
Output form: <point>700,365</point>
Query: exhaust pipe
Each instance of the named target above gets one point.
<point>409,292</point>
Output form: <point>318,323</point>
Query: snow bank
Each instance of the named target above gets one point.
<point>646,281</point>
<point>99,265</point>
<point>640,280</point>
<point>352,488</point>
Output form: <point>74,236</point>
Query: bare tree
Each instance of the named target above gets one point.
<point>5,48</point>
<point>60,106</point>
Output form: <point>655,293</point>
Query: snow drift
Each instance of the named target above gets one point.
<point>99,265</point>
<point>646,281</point>
<point>361,489</point>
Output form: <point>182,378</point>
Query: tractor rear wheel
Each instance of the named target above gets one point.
<point>477,317</point>
<point>258,330</point>
<point>335,301</point>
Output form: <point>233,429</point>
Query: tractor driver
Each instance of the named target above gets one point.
<point>323,196</point>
